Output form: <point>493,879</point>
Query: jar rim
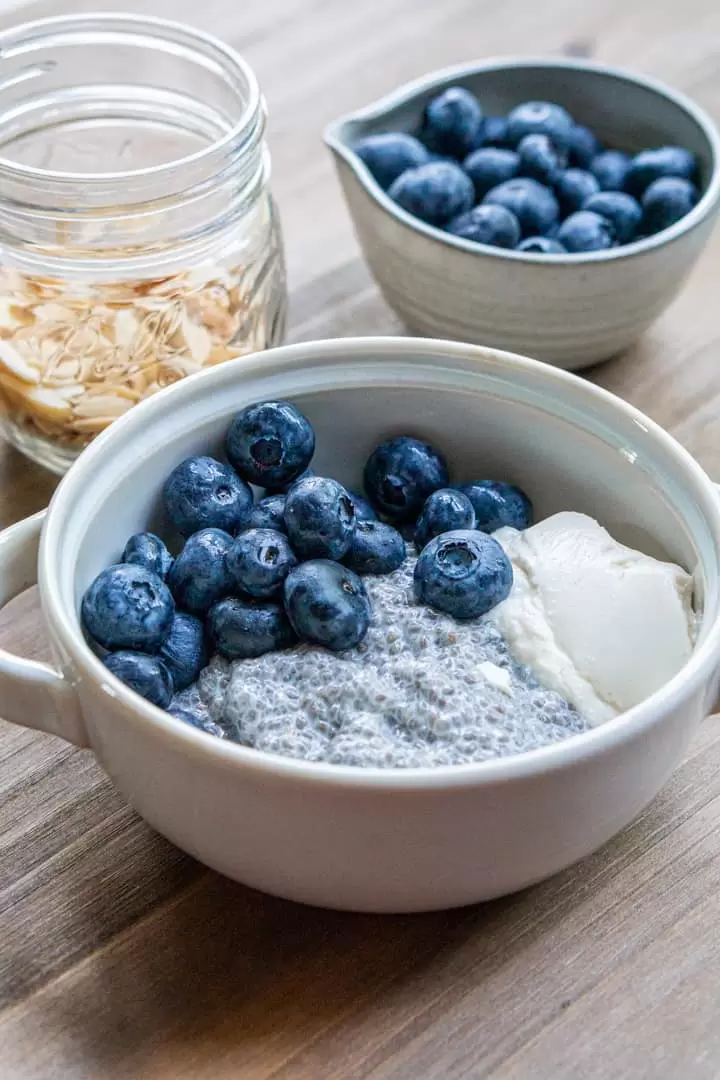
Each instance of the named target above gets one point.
<point>182,35</point>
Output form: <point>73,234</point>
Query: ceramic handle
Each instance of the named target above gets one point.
<point>32,695</point>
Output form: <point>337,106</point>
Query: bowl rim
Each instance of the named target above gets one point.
<point>65,629</point>
<point>335,140</point>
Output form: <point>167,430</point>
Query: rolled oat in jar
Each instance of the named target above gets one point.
<point>139,239</point>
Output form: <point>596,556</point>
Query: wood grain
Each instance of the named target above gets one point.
<point>122,958</point>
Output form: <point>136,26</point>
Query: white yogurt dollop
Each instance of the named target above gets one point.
<point>602,624</point>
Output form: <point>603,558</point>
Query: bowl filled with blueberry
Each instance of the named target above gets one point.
<point>550,207</point>
<point>384,624</point>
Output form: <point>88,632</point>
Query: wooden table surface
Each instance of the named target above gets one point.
<point>122,958</point>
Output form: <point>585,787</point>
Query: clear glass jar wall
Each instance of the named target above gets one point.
<point>139,241</point>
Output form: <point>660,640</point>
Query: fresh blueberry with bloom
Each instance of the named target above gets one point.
<point>610,169</point>
<point>146,549</point>
<point>444,511</point>
<point>200,575</point>
<point>435,193</point>
<point>651,165</point>
<point>269,513</point>
<point>327,604</point>
<point>535,207</point>
<point>497,504</point>
<point>363,509</point>
<point>452,122</point>
<point>202,493</point>
<point>666,201</point>
<point>128,607</point>
<point>464,573</point>
<point>489,167</point>
<point>493,132</point>
<point>319,518</point>
<point>194,720</point>
<point>622,211</point>
<point>259,561</point>
<point>573,187</point>
<point>540,159</point>
<point>270,444</point>
<point>492,225</point>
<point>242,629</point>
<point>400,474</point>
<point>376,548</point>
<point>586,231</point>
<point>183,651</point>
<point>540,118</point>
<point>389,154</point>
<point>146,675</point>
<point>582,147</point>
<point>541,245</point>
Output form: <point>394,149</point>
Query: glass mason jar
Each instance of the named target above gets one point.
<point>139,241</point>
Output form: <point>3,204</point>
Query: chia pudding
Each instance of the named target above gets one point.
<point>422,689</point>
<point>304,625</point>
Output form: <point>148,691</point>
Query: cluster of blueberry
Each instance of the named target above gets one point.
<point>254,577</point>
<point>533,180</point>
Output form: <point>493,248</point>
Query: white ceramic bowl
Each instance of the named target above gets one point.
<point>373,840</point>
<point>569,310</point>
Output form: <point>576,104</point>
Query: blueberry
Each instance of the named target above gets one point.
<point>493,132</point>
<point>489,167</point>
<point>269,513</point>
<point>464,573</point>
<point>492,225</point>
<point>389,154</point>
<point>327,604</point>
<point>400,474</point>
<point>242,629</point>
<point>202,493</point>
<point>534,205</point>
<point>200,575</point>
<point>497,504</point>
<point>434,193</point>
<point>573,187</point>
<point>319,518</point>
<point>586,231</point>
<point>146,675</point>
<point>270,444</point>
<point>189,717</point>
<point>540,118</point>
<point>283,489</point>
<point>259,561</point>
<point>128,607</point>
<point>363,509</point>
<point>541,245</point>
<point>452,122</point>
<point>610,169</point>
<point>622,211</point>
<point>445,511</point>
<point>651,165</point>
<point>582,147</point>
<point>540,159</point>
<point>376,548</point>
<point>666,201</point>
<point>183,652</point>
<point>146,549</point>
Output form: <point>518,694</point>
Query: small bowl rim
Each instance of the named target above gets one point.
<point>334,139</point>
<point>542,761</point>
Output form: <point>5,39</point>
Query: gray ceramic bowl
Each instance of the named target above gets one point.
<point>570,310</point>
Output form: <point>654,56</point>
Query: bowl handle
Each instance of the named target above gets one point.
<point>32,695</point>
